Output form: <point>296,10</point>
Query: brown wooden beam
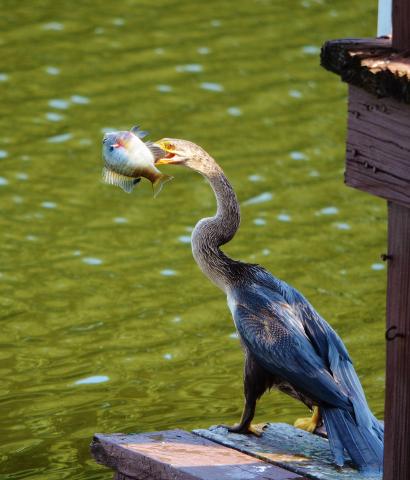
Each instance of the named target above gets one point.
<point>397,402</point>
<point>371,64</point>
<point>401,24</point>
<point>179,455</point>
<point>378,146</point>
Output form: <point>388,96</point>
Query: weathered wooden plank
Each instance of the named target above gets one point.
<point>371,64</point>
<point>378,146</point>
<point>290,448</point>
<point>397,405</point>
<point>401,24</point>
<point>179,455</point>
<point>362,179</point>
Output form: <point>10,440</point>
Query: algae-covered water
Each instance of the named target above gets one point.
<point>106,322</point>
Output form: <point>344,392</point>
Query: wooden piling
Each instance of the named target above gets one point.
<point>401,24</point>
<point>397,404</point>
<point>378,162</point>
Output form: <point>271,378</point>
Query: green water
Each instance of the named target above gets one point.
<point>106,322</point>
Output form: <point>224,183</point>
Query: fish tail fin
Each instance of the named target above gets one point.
<point>113,178</point>
<point>159,183</point>
<point>363,444</point>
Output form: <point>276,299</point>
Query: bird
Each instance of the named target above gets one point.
<point>287,345</point>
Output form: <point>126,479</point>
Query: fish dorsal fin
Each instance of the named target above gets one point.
<point>136,130</point>
<point>113,178</point>
<point>156,150</point>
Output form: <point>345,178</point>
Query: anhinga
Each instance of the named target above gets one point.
<point>287,344</point>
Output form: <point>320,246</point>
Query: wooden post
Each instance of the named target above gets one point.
<point>401,24</point>
<point>397,406</point>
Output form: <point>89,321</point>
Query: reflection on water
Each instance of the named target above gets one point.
<point>106,322</point>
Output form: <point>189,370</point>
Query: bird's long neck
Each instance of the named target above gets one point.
<point>210,233</point>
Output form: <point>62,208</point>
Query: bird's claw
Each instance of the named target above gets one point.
<point>256,430</point>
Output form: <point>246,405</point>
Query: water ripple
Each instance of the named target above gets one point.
<point>120,220</point>
<point>295,93</point>
<point>59,103</point>
<point>80,99</point>
<point>60,138</point>
<point>234,111</point>
<point>184,239</point>
<point>164,88</point>
<point>92,380</point>
<point>56,26</point>
<point>283,217</point>
<point>190,67</point>
<point>311,49</point>
<point>342,226</point>
<point>52,70</point>
<point>263,197</point>
<point>328,211</point>
<point>49,205</point>
<point>168,272</point>
<point>54,117</point>
<point>92,261</point>
<point>255,178</point>
<point>296,155</point>
<point>259,221</point>
<point>212,87</point>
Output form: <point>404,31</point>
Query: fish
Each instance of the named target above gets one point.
<point>128,158</point>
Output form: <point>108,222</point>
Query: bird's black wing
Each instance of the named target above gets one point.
<point>331,346</point>
<point>327,344</point>
<point>273,332</point>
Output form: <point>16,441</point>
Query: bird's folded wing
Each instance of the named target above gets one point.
<point>274,334</point>
<point>330,345</point>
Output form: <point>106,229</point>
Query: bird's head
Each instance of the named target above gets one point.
<point>187,154</point>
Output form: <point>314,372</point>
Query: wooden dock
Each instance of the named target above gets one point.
<point>282,452</point>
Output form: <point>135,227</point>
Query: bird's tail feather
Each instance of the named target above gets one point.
<point>364,445</point>
<point>336,445</point>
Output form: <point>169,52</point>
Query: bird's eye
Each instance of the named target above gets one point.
<point>111,149</point>
<point>104,140</point>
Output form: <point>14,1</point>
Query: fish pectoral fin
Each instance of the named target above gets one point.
<point>136,130</point>
<point>159,183</point>
<point>156,150</point>
<point>113,178</point>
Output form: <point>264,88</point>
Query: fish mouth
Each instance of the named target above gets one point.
<point>171,154</point>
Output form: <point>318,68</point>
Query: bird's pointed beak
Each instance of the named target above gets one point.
<point>171,157</point>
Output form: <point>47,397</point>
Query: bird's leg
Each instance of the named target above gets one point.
<point>244,426</point>
<point>309,423</point>
<point>255,384</point>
